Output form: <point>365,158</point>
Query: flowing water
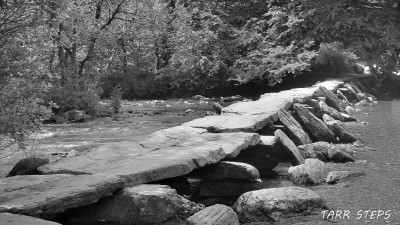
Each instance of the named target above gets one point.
<point>375,197</point>
<point>370,199</point>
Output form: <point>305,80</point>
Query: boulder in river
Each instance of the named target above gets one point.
<point>316,127</point>
<point>295,131</point>
<point>290,149</point>
<point>339,153</point>
<point>214,215</point>
<point>276,204</point>
<point>28,166</point>
<point>217,107</point>
<point>341,131</point>
<point>313,171</point>
<point>142,204</point>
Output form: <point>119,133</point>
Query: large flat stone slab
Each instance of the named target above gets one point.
<point>137,164</point>
<point>231,123</point>
<point>16,219</point>
<point>170,136</point>
<point>45,196</point>
<point>270,103</point>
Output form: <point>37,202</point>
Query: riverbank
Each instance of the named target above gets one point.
<point>178,151</point>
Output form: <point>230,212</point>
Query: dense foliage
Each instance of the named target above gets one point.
<point>69,53</point>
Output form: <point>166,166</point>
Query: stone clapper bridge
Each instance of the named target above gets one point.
<point>84,179</point>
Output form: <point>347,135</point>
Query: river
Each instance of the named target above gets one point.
<point>379,158</point>
<point>373,198</point>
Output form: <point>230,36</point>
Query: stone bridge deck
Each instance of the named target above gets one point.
<point>172,152</point>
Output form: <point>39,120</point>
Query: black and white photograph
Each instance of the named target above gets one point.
<point>199,112</point>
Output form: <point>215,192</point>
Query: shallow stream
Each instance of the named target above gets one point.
<point>378,191</point>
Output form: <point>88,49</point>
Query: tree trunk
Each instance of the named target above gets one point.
<point>124,57</point>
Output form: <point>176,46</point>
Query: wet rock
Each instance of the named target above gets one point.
<point>16,219</point>
<point>228,170</point>
<point>338,153</point>
<point>214,215</point>
<point>228,188</point>
<point>276,204</point>
<point>143,204</point>
<point>331,111</point>
<point>315,127</point>
<point>335,176</point>
<point>217,107</point>
<point>295,131</point>
<point>46,196</point>
<point>313,171</point>
<point>290,149</point>
<point>331,99</point>
<point>317,150</point>
<point>28,166</point>
<point>341,131</point>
